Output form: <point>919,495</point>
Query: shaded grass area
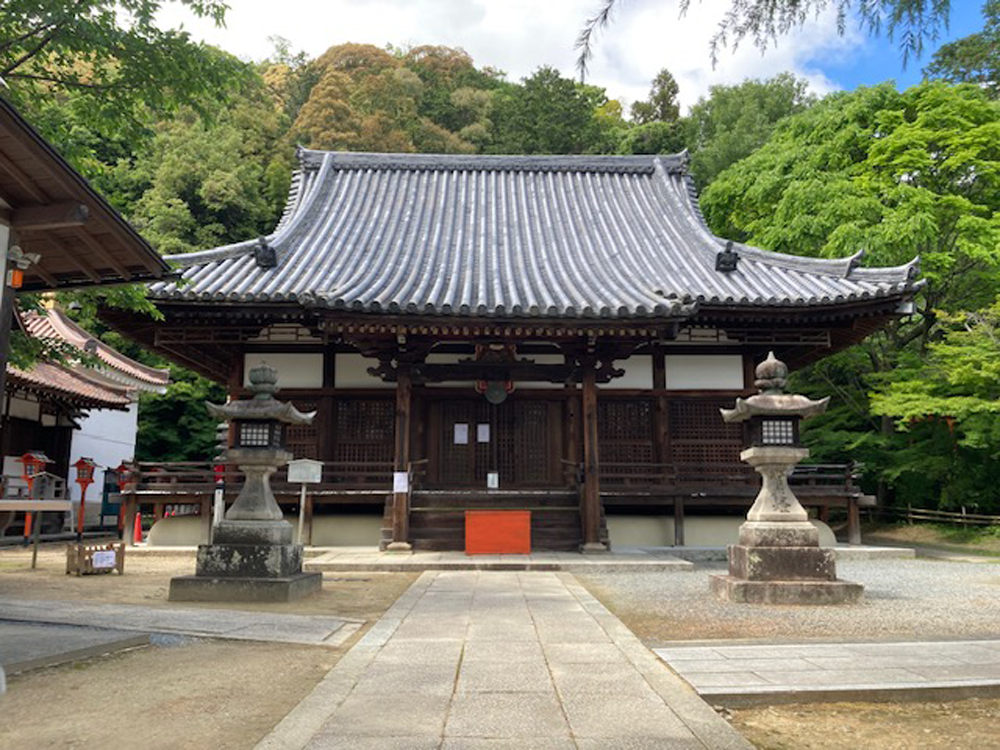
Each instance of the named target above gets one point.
<point>974,540</point>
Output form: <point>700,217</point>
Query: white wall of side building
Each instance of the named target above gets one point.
<point>107,436</point>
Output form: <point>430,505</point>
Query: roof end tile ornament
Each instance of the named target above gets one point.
<point>264,255</point>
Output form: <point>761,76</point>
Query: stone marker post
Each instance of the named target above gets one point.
<point>251,557</point>
<point>778,559</point>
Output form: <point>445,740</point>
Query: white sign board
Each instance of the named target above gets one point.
<point>482,433</point>
<point>493,480</point>
<point>305,471</point>
<point>461,433</point>
<point>103,559</point>
<point>400,481</point>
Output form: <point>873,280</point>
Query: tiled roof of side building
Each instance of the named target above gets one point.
<point>55,324</point>
<point>510,236</point>
<point>59,381</point>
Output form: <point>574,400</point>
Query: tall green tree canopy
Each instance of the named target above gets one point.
<point>112,54</point>
<point>733,121</point>
<point>972,59</point>
<point>896,174</point>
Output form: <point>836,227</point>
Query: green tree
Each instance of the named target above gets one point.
<point>175,426</point>
<point>897,174</point>
<point>662,105</point>
<point>950,398</point>
<point>548,114</point>
<point>972,59</point>
<point>733,121</point>
<point>912,22</point>
<point>112,55</point>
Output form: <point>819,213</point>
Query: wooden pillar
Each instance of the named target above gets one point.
<point>205,514</point>
<point>853,521</point>
<point>591,510</point>
<point>6,316</point>
<point>401,500</point>
<point>678,520</point>
<point>128,536</point>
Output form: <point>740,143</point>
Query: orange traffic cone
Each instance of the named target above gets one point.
<point>137,531</point>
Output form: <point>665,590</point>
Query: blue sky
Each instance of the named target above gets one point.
<point>877,60</point>
<point>518,36</point>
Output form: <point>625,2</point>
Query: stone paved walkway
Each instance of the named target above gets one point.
<point>658,560</point>
<point>748,674</point>
<point>213,623</point>
<point>468,660</point>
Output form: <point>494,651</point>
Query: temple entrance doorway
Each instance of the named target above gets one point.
<point>519,441</point>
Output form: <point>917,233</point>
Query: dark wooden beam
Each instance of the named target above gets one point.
<point>591,510</point>
<point>76,259</point>
<point>51,216</point>
<point>21,178</point>
<point>401,462</point>
<point>98,249</point>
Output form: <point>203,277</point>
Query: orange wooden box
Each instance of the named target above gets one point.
<point>497,532</point>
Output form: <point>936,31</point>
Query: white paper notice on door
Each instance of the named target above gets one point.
<point>482,433</point>
<point>493,480</point>
<point>400,481</point>
<point>461,433</point>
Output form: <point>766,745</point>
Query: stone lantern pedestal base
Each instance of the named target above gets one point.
<point>782,563</point>
<point>248,561</point>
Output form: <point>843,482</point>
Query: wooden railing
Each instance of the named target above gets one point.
<point>190,477</point>
<point>659,475</point>
<point>940,516</point>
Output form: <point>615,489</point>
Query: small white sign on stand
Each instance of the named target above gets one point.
<point>103,559</point>
<point>304,471</point>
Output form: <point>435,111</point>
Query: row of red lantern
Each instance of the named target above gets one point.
<point>33,463</point>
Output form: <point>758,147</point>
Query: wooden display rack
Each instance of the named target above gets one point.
<point>80,558</point>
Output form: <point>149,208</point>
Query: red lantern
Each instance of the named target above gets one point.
<point>125,478</point>
<point>84,477</point>
<point>33,463</point>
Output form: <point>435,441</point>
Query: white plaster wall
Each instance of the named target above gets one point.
<point>704,372</point>
<point>303,370</point>
<point>22,408</point>
<point>699,531</point>
<point>638,374</point>
<point>108,437</point>
<point>352,372</point>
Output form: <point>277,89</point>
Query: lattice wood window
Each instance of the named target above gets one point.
<point>625,435</point>
<point>365,430</point>
<point>701,443</point>
<point>303,439</point>
<point>520,445</point>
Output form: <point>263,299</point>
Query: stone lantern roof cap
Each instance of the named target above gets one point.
<point>263,405</point>
<point>772,401</point>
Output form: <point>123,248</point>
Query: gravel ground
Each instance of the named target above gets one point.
<point>903,599</point>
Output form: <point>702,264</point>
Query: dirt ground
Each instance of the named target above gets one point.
<point>955,725</point>
<point>147,580</point>
<point>178,693</point>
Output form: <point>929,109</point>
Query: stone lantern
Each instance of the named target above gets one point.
<point>251,557</point>
<point>778,559</point>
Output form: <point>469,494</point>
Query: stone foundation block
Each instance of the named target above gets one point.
<point>729,588</point>
<point>249,560</point>
<point>774,534</point>
<point>782,563</point>
<point>234,589</point>
<point>252,532</point>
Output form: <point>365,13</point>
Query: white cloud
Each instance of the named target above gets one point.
<point>517,36</point>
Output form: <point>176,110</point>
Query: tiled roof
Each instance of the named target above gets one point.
<point>510,236</point>
<point>60,381</point>
<point>56,325</point>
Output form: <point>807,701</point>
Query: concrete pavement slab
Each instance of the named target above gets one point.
<point>29,645</point>
<point>541,664</point>
<point>776,673</point>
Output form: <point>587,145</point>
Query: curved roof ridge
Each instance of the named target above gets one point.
<point>636,164</point>
<point>55,324</point>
